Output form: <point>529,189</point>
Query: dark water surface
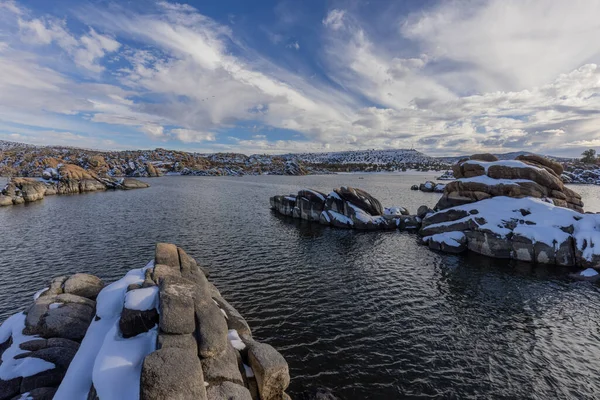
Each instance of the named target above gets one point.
<point>371,315</point>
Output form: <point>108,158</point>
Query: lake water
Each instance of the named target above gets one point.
<point>371,315</point>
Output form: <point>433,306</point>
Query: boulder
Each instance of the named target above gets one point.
<point>84,285</point>
<point>270,369</point>
<point>223,367</point>
<point>161,271</point>
<point>541,160</point>
<point>10,388</point>
<point>130,183</point>
<point>428,186</point>
<point>31,189</point>
<point>361,199</point>
<point>310,204</point>
<point>211,329</point>
<point>452,242</point>
<point>134,322</point>
<point>414,187</point>
<point>5,200</point>
<point>56,286</point>
<point>234,318</point>
<point>68,321</point>
<point>488,244</point>
<point>167,254</point>
<point>176,306</point>
<point>484,157</point>
<point>172,373</point>
<point>178,341</point>
<point>49,378</point>
<point>422,211</point>
<point>228,391</point>
<point>59,356</point>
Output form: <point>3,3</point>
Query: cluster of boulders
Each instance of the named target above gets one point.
<point>345,207</point>
<point>66,179</point>
<point>180,339</point>
<point>516,209</point>
<point>483,176</point>
<point>429,187</point>
<point>582,173</point>
<point>205,349</point>
<point>53,329</point>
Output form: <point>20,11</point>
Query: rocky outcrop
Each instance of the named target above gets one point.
<point>345,207</point>
<point>41,343</point>
<point>528,176</point>
<point>66,179</point>
<point>580,173</point>
<point>160,332</point>
<point>525,229</point>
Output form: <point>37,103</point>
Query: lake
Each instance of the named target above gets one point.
<point>370,315</point>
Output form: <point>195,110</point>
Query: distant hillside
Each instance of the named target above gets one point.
<point>505,156</point>
<point>378,157</point>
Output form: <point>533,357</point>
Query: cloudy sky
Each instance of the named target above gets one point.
<point>444,77</point>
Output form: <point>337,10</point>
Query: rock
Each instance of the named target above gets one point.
<point>176,306</point>
<point>59,356</point>
<point>167,254</point>
<point>130,183</point>
<point>69,321</point>
<point>228,391</point>
<point>234,318</point>
<point>223,367</point>
<point>172,373</point>
<point>422,211</point>
<point>152,170</point>
<point>38,344</point>
<point>43,393</point>
<point>427,186</point>
<point>18,200</point>
<point>488,244</point>
<point>211,330</point>
<point>186,262</point>
<point>271,370</point>
<point>310,204</point>
<point>178,341</point>
<point>134,322</point>
<point>5,201</point>
<point>56,286</point>
<point>361,199</point>
<point>162,271</point>
<point>414,187</point>
<point>9,388</point>
<point>31,189</point>
<point>409,223</point>
<point>454,242</point>
<point>553,165</point>
<point>484,157</point>
<point>84,285</point>
<point>49,378</point>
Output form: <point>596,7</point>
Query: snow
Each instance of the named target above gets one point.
<point>505,163</point>
<point>393,210</point>
<point>249,371</point>
<point>39,293</point>
<point>99,356</point>
<point>486,180</point>
<point>542,224</point>
<point>118,367</point>
<point>448,238</point>
<point>588,273</point>
<point>142,299</point>
<point>290,198</point>
<point>341,218</point>
<point>55,305</point>
<point>334,195</point>
<point>326,216</point>
<point>234,339</point>
<point>11,368</point>
<point>360,214</point>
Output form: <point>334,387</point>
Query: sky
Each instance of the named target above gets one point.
<point>443,77</point>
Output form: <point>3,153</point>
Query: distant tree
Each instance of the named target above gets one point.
<point>589,156</point>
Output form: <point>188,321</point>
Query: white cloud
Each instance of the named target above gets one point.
<point>154,131</point>
<point>449,82</point>
<point>191,136</point>
<point>334,19</point>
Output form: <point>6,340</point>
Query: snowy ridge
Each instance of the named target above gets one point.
<point>378,157</point>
